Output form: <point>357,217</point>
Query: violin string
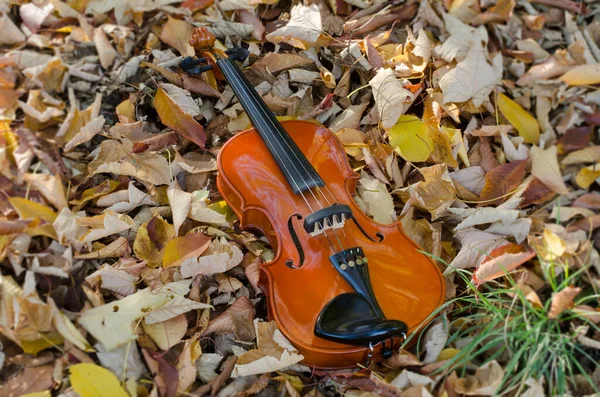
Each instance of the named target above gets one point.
<point>275,153</point>
<point>252,107</point>
<point>266,116</point>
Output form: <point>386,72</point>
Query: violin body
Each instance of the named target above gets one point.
<point>301,280</point>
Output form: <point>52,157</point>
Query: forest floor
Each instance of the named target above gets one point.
<point>471,122</point>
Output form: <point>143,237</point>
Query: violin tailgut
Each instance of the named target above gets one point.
<point>333,217</point>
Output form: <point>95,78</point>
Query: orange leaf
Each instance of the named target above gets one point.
<point>173,116</point>
<point>182,248</point>
<point>563,300</point>
<point>502,180</point>
<point>502,260</point>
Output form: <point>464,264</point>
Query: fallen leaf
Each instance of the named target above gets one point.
<point>177,34</point>
<point>218,258</point>
<point>391,98</point>
<point>435,340</point>
<point>501,181</point>
<point>113,324</point>
<point>473,78</point>
<point>303,29</point>
<point>118,158</point>
<point>106,51</point>
<point>181,248</point>
<point>115,249</point>
<point>563,300</point>
<point>410,138</point>
<point>545,167</point>
<point>475,246</point>
<point>91,380</point>
<point>9,32</point>
<point>151,240</point>
<point>86,133</point>
<point>582,75</point>
<point>173,116</point>
<point>270,355</point>
<point>376,198</point>
<point>118,281</point>
<point>485,382</point>
<point>167,334</point>
<point>589,154</point>
<point>501,261</point>
<point>526,124</point>
<point>224,323</point>
<point>180,202</point>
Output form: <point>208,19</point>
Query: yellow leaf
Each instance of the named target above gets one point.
<point>91,380</point>
<point>36,346</point>
<point>45,393</point>
<point>447,354</point>
<point>28,209</point>
<point>582,75</point>
<point>525,123</point>
<point>151,239</point>
<point>410,138</point>
<point>553,244</point>
<point>586,176</point>
<point>173,116</point>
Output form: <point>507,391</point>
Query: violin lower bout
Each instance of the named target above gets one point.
<point>408,285</point>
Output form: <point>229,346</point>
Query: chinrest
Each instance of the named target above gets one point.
<point>348,318</point>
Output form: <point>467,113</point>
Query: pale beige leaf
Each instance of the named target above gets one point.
<point>180,202</point>
<point>119,159</point>
<point>86,133</point>
<point>582,75</point>
<point>50,186</point>
<point>35,13</point>
<point>207,365</point>
<point>219,258</point>
<point>545,167</point>
<point>168,333</point>
<point>472,79</point>
<point>118,281</point>
<point>112,324</point>
<point>587,155</point>
<point>378,201</point>
<point>9,32</point>
<point>435,340</point>
<point>485,382</point>
<point>391,98</point>
<point>183,99</point>
<point>475,245</point>
<point>305,26</point>
<point>472,217</point>
<point>67,329</point>
<point>115,249</point>
<point>106,52</point>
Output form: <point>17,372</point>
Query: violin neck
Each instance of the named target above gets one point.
<point>296,168</point>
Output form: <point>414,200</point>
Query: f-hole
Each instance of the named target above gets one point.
<point>379,235</point>
<point>290,263</point>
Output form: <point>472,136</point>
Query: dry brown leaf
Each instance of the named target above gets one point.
<point>167,334</point>
<point>172,115</point>
<point>177,34</point>
<point>224,323</point>
<point>501,181</point>
<point>563,300</point>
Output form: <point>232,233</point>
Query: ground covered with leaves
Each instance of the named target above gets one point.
<point>472,122</point>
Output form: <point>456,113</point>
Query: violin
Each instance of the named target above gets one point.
<point>343,289</point>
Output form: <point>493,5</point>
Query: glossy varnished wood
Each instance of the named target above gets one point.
<point>408,285</point>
